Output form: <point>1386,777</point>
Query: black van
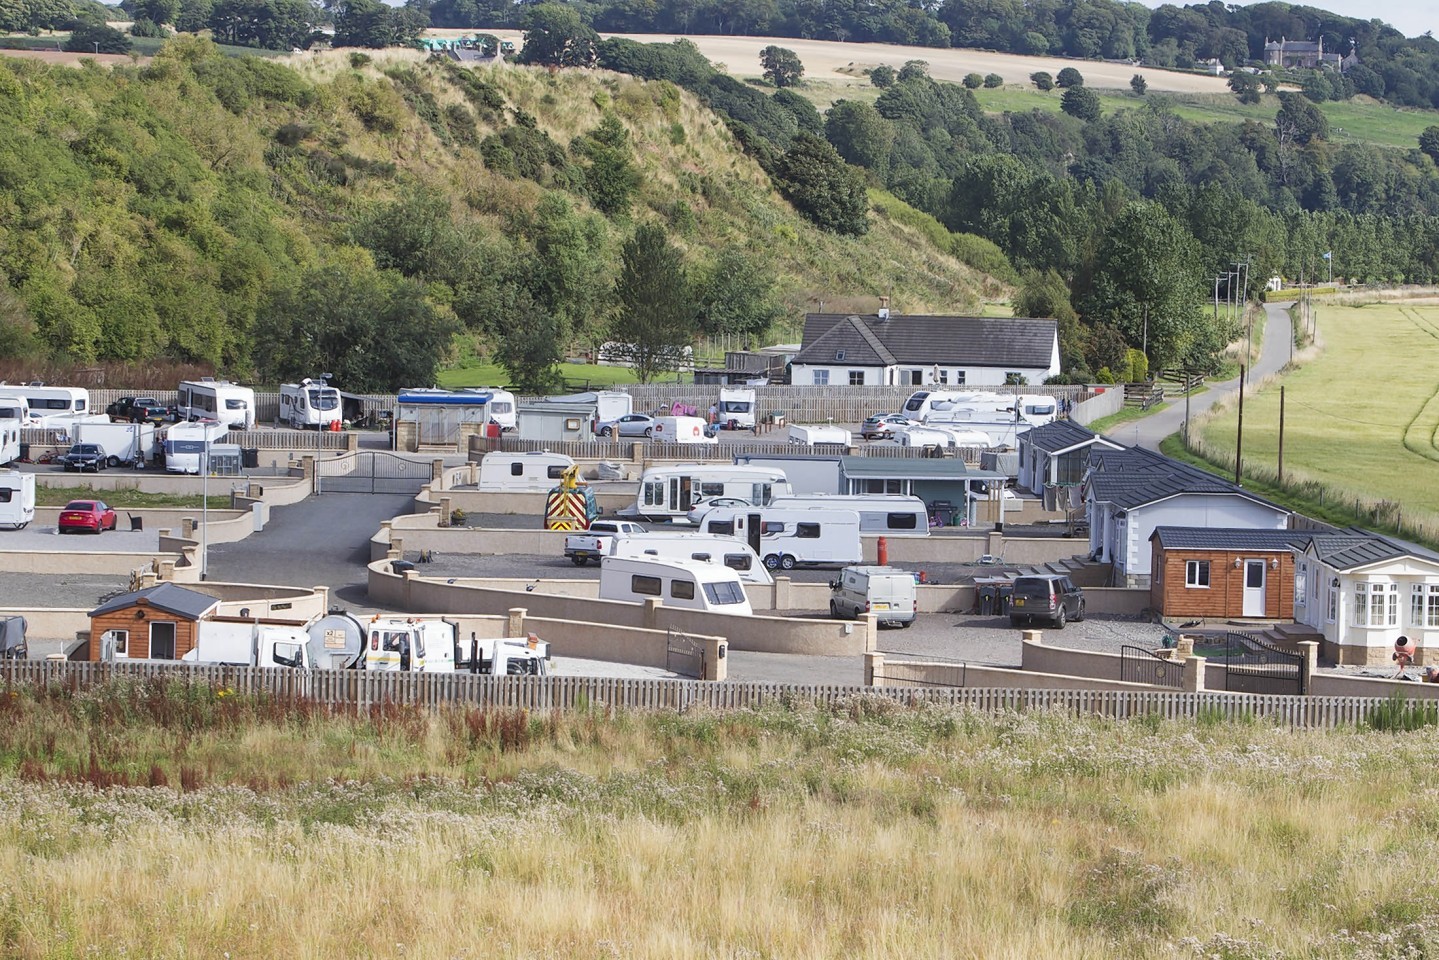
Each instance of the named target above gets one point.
<point>1051,597</point>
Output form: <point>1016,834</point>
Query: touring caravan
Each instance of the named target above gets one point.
<point>960,407</point>
<point>310,403</point>
<point>45,402</point>
<point>790,537</point>
<point>670,492</point>
<point>209,399</point>
<point>13,412</point>
<point>691,584</point>
<point>736,408</point>
<point>887,514</point>
<point>17,499</point>
<point>807,436</point>
<point>188,444</point>
<point>681,430</point>
<point>677,545</point>
<point>535,472</point>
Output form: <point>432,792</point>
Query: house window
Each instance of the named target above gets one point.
<point>856,378</point>
<point>121,639</point>
<point>1301,582</point>
<point>916,377</point>
<point>1333,612</point>
<point>1196,574</point>
<point>944,376</point>
<point>821,378</point>
<point>958,378</point>
<point>1376,604</point>
<point>1424,604</point>
<point>873,485</point>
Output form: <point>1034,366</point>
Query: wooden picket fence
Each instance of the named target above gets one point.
<point>357,690</point>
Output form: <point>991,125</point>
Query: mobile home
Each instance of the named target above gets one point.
<point>47,402</point>
<point>890,515</point>
<point>208,399</point>
<point>310,403</point>
<point>809,435</point>
<point>603,404</point>
<point>430,416</point>
<point>691,584</point>
<point>671,492</point>
<point>736,407</point>
<point>787,537</point>
<point>732,552</point>
<point>17,498</point>
<point>535,472</point>
<point>188,444</point>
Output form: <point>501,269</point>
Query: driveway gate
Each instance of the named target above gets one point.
<point>1254,666</point>
<point>1137,665</point>
<point>371,472</point>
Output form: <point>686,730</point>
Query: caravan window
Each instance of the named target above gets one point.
<point>682,589</point>
<point>711,489</point>
<point>517,469</point>
<point>654,493</point>
<point>234,405</point>
<point>322,400</point>
<point>903,521</point>
<point>701,556</point>
<point>5,494</point>
<point>724,528</point>
<point>555,473</point>
<point>762,494</point>
<point>737,561</point>
<point>771,526</point>
<point>501,406</point>
<point>807,531</point>
<point>649,586</point>
<point>724,593</point>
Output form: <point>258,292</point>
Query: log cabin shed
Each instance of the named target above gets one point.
<point>157,623</point>
<point>1223,574</point>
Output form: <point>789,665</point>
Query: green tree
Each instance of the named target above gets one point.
<point>156,11</point>
<point>97,38</point>
<point>610,177</point>
<point>268,24</point>
<point>993,81</point>
<point>532,344</point>
<point>1246,86</point>
<point>859,134</point>
<point>1138,84</point>
<point>882,76</point>
<point>566,267</point>
<point>1069,77</point>
<point>781,66</point>
<point>1042,81</point>
<point>825,189</point>
<point>736,295</point>
<point>973,81</point>
<point>913,70</point>
<point>1299,120</point>
<point>556,36</point>
<point>1429,142</point>
<point>654,313</point>
<point>370,23</point>
<point>1081,103</point>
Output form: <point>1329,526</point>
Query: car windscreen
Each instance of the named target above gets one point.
<point>1031,588</point>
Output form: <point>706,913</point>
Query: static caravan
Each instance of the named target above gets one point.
<point>522,472</point>
<point>676,545</point>
<point>310,403</point>
<point>736,408</point>
<point>802,435</point>
<point>47,402</point>
<point>890,515</point>
<point>958,407</point>
<point>602,404</point>
<point>671,492</point>
<point>691,584</point>
<point>188,445</point>
<point>208,399</point>
<point>17,498</point>
<point>787,537</point>
<point>681,430</point>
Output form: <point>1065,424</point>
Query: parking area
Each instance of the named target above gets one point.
<point>47,539</point>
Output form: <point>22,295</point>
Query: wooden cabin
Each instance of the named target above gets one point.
<point>157,623</point>
<point>1223,574</point>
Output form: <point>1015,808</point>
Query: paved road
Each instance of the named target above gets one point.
<point>1275,353</point>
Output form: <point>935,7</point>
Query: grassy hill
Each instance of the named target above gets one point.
<point>154,208</point>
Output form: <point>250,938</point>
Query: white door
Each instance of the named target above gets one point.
<point>1254,588</point>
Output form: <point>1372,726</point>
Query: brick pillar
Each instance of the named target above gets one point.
<point>781,593</point>
<point>437,470</point>
<point>871,631</point>
<point>445,511</point>
<point>1032,636</point>
<point>873,668</point>
<point>187,528</point>
<point>1194,674</point>
<point>474,474</point>
<point>515,627</point>
<point>651,613</point>
<point>352,441</point>
<point>397,545</point>
<point>716,658</point>
<point>324,594</point>
<point>1310,650</point>
<point>994,543</point>
<point>1184,649</point>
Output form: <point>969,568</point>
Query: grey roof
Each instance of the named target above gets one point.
<point>1354,548</point>
<point>1132,477</point>
<point>164,596</point>
<point>924,339</point>
<point>1062,435</point>
<point>912,468</point>
<point>1228,538</point>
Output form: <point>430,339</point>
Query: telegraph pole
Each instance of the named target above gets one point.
<point>1239,437</point>
<point>1281,436</point>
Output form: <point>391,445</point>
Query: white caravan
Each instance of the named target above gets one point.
<point>310,403</point>
<point>736,406</point>
<point>671,492</point>
<point>692,584</point>
<point>501,408</point>
<point>681,430</point>
<point>126,443</point>
<point>886,514</point>
<point>221,400</point>
<point>804,435</point>
<point>789,537</point>
<point>535,472</point>
<point>678,545</point>
<point>13,413</point>
<point>959,407</point>
<point>17,499</point>
<point>45,402</point>
<point>188,444</point>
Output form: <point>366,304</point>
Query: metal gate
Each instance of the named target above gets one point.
<point>1137,665</point>
<point>371,472</point>
<point>1253,666</point>
<point>686,655</point>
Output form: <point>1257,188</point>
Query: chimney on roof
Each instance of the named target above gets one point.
<point>883,308</point>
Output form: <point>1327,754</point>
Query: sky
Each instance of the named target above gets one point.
<point>1410,17</point>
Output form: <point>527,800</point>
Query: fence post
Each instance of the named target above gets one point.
<point>1194,673</point>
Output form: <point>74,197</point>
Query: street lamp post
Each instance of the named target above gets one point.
<point>205,510</point>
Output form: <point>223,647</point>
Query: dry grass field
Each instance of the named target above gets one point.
<point>184,823</point>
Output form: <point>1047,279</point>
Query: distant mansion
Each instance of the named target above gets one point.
<point>1306,54</point>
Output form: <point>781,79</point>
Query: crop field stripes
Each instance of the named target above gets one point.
<point>1421,433</point>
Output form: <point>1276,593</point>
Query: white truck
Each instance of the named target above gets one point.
<point>243,642</point>
<point>594,543</point>
<point>417,645</point>
<point>887,592</point>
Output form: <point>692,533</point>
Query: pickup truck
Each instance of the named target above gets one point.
<point>140,410</point>
<point>594,543</point>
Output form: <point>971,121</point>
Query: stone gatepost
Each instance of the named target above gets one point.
<point>445,511</point>
<point>1310,651</point>
<point>515,626</point>
<point>652,613</point>
<point>873,668</point>
<point>1194,668</point>
<point>781,593</point>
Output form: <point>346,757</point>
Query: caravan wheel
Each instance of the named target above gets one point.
<point>772,561</point>
<point>786,562</point>
<point>112,462</point>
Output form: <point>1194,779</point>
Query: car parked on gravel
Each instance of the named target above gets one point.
<point>92,515</point>
<point>630,425</point>
<point>882,425</point>
<point>1051,597</point>
<point>84,456</point>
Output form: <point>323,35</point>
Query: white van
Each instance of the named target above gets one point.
<point>808,435</point>
<point>17,498</point>
<point>188,444</point>
<point>678,545</point>
<point>310,403</point>
<point>535,472</point>
<point>736,406</point>
<point>211,399</point>
<point>789,537</point>
<point>887,514</point>
<point>681,430</point>
<point>692,584</point>
<point>886,592</point>
<point>671,492</point>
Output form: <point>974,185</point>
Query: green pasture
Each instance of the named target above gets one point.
<point>1361,418</point>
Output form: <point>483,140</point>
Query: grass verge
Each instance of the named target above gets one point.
<point>121,498</point>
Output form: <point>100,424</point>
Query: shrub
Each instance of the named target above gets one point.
<point>973,81</point>
<point>992,81</point>
<point>1042,81</point>
<point>882,76</point>
<point>1400,714</point>
<point>358,59</point>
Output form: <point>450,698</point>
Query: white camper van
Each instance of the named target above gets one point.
<point>680,430</point>
<point>736,406</point>
<point>692,584</point>
<point>887,514</point>
<point>808,435</point>
<point>45,402</point>
<point>310,403</point>
<point>887,592</point>
<point>221,400</point>
<point>17,499</point>
<point>670,492</point>
<point>678,545</point>
<point>534,472</point>
<point>791,537</point>
<point>187,445</point>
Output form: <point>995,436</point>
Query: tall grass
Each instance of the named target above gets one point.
<point>871,830</point>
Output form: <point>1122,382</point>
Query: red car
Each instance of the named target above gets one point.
<point>92,515</point>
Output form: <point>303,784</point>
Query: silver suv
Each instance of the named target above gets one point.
<point>1050,597</point>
